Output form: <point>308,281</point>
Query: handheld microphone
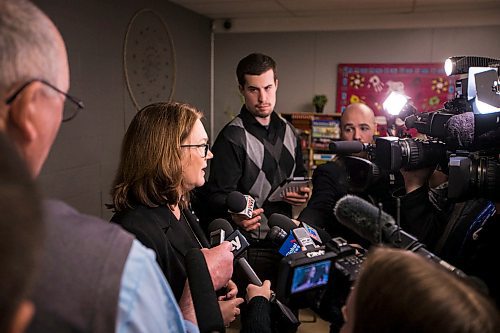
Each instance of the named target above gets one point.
<point>287,225</point>
<point>218,234</point>
<point>292,243</point>
<point>283,223</point>
<point>245,266</point>
<point>238,242</point>
<point>277,235</point>
<point>374,225</point>
<point>238,203</point>
<point>204,298</point>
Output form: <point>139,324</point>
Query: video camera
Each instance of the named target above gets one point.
<point>463,138</point>
<point>303,277</point>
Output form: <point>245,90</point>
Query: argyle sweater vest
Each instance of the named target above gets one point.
<point>268,161</point>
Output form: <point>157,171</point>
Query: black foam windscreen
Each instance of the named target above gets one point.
<point>203,294</point>
<point>282,221</point>
<point>218,224</point>
<point>346,147</point>
<point>362,217</point>
<point>236,201</point>
<point>460,130</point>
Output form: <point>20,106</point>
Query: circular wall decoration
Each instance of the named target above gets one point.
<point>148,59</point>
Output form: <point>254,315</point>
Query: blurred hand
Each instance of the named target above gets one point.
<point>264,290</point>
<point>230,309</point>
<point>246,223</point>
<point>298,198</point>
<point>186,305</point>
<point>231,291</point>
<point>220,263</point>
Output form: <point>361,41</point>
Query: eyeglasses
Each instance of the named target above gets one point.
<point>204,152</point>
<point>72,105</point>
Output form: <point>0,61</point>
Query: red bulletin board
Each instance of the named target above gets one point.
<point>426,84</point>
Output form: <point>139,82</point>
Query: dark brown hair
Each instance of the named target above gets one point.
<point>150,170</point>
<point>399,291</point>
<point>255,64</point>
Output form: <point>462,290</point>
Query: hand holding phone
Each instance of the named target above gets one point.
<point>293,190</point>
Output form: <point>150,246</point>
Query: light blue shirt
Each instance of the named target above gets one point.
<point>146,302</point>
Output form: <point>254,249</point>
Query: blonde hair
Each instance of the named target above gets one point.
<point>150,169</point>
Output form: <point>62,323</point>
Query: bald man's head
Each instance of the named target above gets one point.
<point>358,123</point>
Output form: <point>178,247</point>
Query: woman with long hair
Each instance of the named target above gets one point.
<point>164,156</point>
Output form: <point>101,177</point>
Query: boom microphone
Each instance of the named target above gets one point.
<point>239,203</point>
<point>362,217</point>
<point>376,226</point>
<point>346,147</point>
<point>466,130</point>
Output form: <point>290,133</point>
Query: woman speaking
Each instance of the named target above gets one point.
<point>164,155</point>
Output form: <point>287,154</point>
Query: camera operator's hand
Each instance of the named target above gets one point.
<point>298,198</point>
<point>264,290</point>
<point>246,223</point>
<point>414,179</point>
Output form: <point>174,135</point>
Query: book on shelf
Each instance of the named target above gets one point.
<point>323,157</point>
<point>326,128</point>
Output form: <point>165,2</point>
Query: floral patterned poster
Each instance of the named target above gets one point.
<point>426,84</point>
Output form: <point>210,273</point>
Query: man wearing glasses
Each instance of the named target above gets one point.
<point>94,277</point>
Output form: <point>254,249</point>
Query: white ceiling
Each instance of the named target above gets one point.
<point>325,15</point>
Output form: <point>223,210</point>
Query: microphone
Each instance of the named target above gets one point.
<point>238,203</point>
<point>469,129</point>
<point>247,269</point>
<point>346,147</point>
<point>282,225</point>
<point>362,217</point>
<point>218,233</point>
<point>238,242</point>
<point>377,226</point>
<point>204,298</point>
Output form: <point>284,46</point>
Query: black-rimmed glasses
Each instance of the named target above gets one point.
<point>70,109</point>
<point>204,152</point>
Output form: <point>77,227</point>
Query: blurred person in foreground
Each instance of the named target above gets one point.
<point>400,291</point>
<point>22,230</point>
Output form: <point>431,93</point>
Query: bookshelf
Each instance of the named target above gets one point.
<point>316,131</point>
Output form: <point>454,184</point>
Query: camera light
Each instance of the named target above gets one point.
<point>394,103</point>
<point>448,66</point>
<point>460,64</point>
